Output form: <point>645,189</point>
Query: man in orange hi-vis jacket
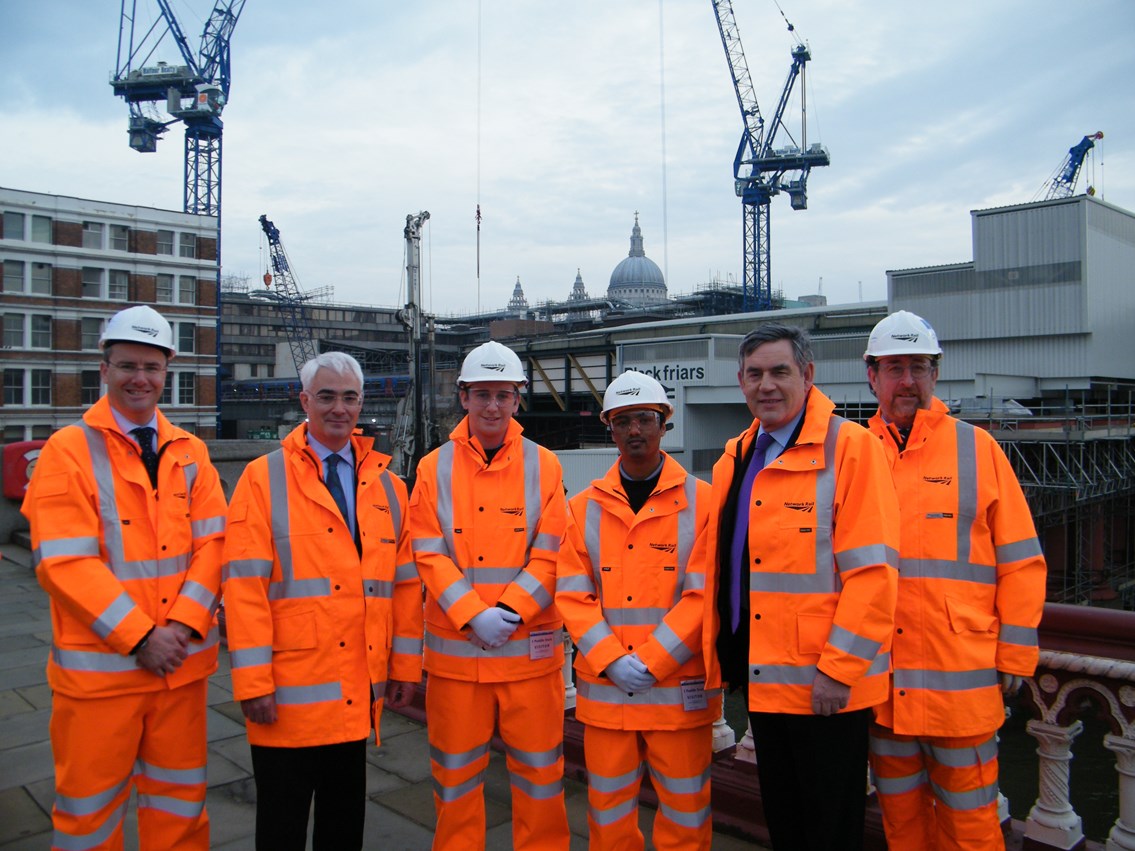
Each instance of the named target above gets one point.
<point>127,518</point>
<point>803,599</point>
<point>971,592</point>
<point>324,613</point>
<point>487,515</point>
<point>630,589</point>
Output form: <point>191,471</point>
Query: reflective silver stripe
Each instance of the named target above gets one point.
<point>672,644</point>
<point>387,480</point>
<point>544,541</point>
<point>378,690</point>
<point>288,587</point>
<point>379,588</point>
<point>687,530</point>
<point>849,642</point>
<point>454,761</point>
<point>789,583</point>
<point>444,505</point>
<point>251,656</point>
<point>406,572</point>
<point>533,588</point>
<point>198,593</point>
<point>113,615</point>
<point>590,639</point>
<point>532,500</point>
<point>153,568</point>
<point>592,539</point>
<point>613,814</point>
<point>893,747</point>
<point>1028,548</point>
<point>825,503</point>
<point>430,545</point>
<point>207,526</point>
<point>579,583</point>
<point>679,817</point>
<point>537,759</point>
<point>82,842</point>
<point>171,805</point>
<point>601,783</point>
<point>680,785</point>
<point>537,791</point>
<point>967,486</point>
<point>694,582</point>
<point>967,756</point>
<point>179,776</point>
<point>457,589</point>
<point>407,646</point>
<point>646,616</point>
<point>190,477</point>
<point>866,556</point>
<point>319,693</point>
<point>247,568</point>
<point>452,793</point>
<point>1025,636</point>
<point>802,675</point>
<point>491,575</point>
<point>91,803</point>
<point>514,648</point>
<point>77,547</point>
<point>108,505</point>
<point>655,696</point>
<point>927,568</point>
<point>945,680</point>
<point>901,785</point>
<point>112,663</point>
<point>975,799</point>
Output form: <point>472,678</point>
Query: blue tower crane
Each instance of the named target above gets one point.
<point>761,171</point>
<point>1063,184</point>
<point>194,92</point>
<point>290,298</point>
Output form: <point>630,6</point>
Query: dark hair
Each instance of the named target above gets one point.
<point>770,332</point>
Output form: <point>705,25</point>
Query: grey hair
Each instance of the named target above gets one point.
<point>770,332</point>
<point>339,363</point>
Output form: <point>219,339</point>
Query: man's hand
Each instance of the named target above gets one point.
<point>495,626</point>
<point>828,696</point>
<point>399,693</point>
<point>164,651</point>
<point>1011,684</point>
<point>630,674</point>
<point>260,710</point>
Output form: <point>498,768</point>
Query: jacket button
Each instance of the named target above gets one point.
<point>902,692</point>
<point>899,630</point>
<point>328,528</point>
<point>163,548</point>
<point>630,546</point>
<point>349,701</point>
<point>756,561</point>
<point>630,647</point>
<point>165,600</point>
<point>628,598</point>
<point>342,644</point>
<point>758,502</point>
<point>480,508</point>
<point>480,558</point>
<point>757,616</point>
<point>336,587</point>
<point>756,672</point>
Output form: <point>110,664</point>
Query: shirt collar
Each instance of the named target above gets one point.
<point>784,434</point>
<point>346,453</point>
<point>125,426</point>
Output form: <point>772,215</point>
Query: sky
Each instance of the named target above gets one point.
<point>564,119</point>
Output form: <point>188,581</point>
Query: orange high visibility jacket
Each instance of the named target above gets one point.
<point>307,616</point>
<point>823,538</point>
<point>118,559</point>
<point>635,583</point>
<point>971,578</point>
<point>487,533</point>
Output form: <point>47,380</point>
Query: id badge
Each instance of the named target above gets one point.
<point>541,645</point>
<point>693,695</point>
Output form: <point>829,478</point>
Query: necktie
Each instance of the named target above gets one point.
<point>145,437</point>
<point>336,486</point>
<point>741,527</point>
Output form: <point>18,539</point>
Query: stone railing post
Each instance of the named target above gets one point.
<point>723,735</point>
<point>1122,835</point>
<point>1052,821</point>
<point>746,752</point>
<point>569,681</point>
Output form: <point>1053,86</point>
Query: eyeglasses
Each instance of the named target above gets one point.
<point>895,371</point>
<point>131,368</point>
<point>643,419</point>
<point>484,398</point>
<point>328,398</point>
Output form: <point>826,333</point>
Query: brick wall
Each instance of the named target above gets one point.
<point>68,390</point>
<point>67,233</point>
<point>143,288</point>
<point>67,283</point>
<point>68,335</point>
<point>143,241</point>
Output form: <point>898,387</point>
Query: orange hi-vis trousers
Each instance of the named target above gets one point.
<point>937,792</point>
<point>104,746</point>
<point>678,761</point>
<point>460,719</point>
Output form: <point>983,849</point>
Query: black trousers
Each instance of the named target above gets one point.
<point>813,775</point>
<point>286,780</point>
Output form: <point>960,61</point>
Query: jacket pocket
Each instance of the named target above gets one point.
<point>812,633</point>
<point>968,618</point>
<point>294,631</point>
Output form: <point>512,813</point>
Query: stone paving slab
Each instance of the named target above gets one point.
<point>20,815</point>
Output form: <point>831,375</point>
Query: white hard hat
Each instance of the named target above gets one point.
<point>635,390</point>
<point>491,361</point>
<point>902,333</point>
<point>139,324</point>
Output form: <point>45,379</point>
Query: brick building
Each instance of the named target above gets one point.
<point>69,264</point>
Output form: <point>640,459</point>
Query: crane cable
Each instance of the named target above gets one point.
<point>662,113</point>
<point>478,148</point>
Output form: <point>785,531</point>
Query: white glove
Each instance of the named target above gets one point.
<point>1011,684</point>
<point>494,626</point>
<point>630,674</point>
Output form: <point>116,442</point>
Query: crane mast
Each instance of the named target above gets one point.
<point>289,297</point>
<point>1064,183</point>
<point>761,171</point>
<point>413,421</point>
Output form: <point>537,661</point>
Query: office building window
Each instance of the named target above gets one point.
<point>165,242</point>
<point>41,432</point>
<point>14,388</point>
<point>13,434</point>
<point>120,237</point>
<point>167,393</point>
<point>91,331</point>
<point>41,278</point>
<point>187,290</point>
<point>13,276</point>
<point>41,331</point>
<point>41,229</point>
<point>13,225</point>
<point>186,388</point>
<point>92,234</point>
<point>119,285</point>
<point>188,245</point>
<point>92,282</point>
<point>13,330</point>
<point>165,289</point>
<point>41,387</point>
<point>186,338</point>
<point>91,386</point>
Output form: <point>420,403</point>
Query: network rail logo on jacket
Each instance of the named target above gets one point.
<point>807,507</point>
<point>938,480</point>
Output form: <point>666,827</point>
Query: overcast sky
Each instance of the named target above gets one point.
<point>345,116</point>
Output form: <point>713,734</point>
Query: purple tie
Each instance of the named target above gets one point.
<point>741,527</point>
